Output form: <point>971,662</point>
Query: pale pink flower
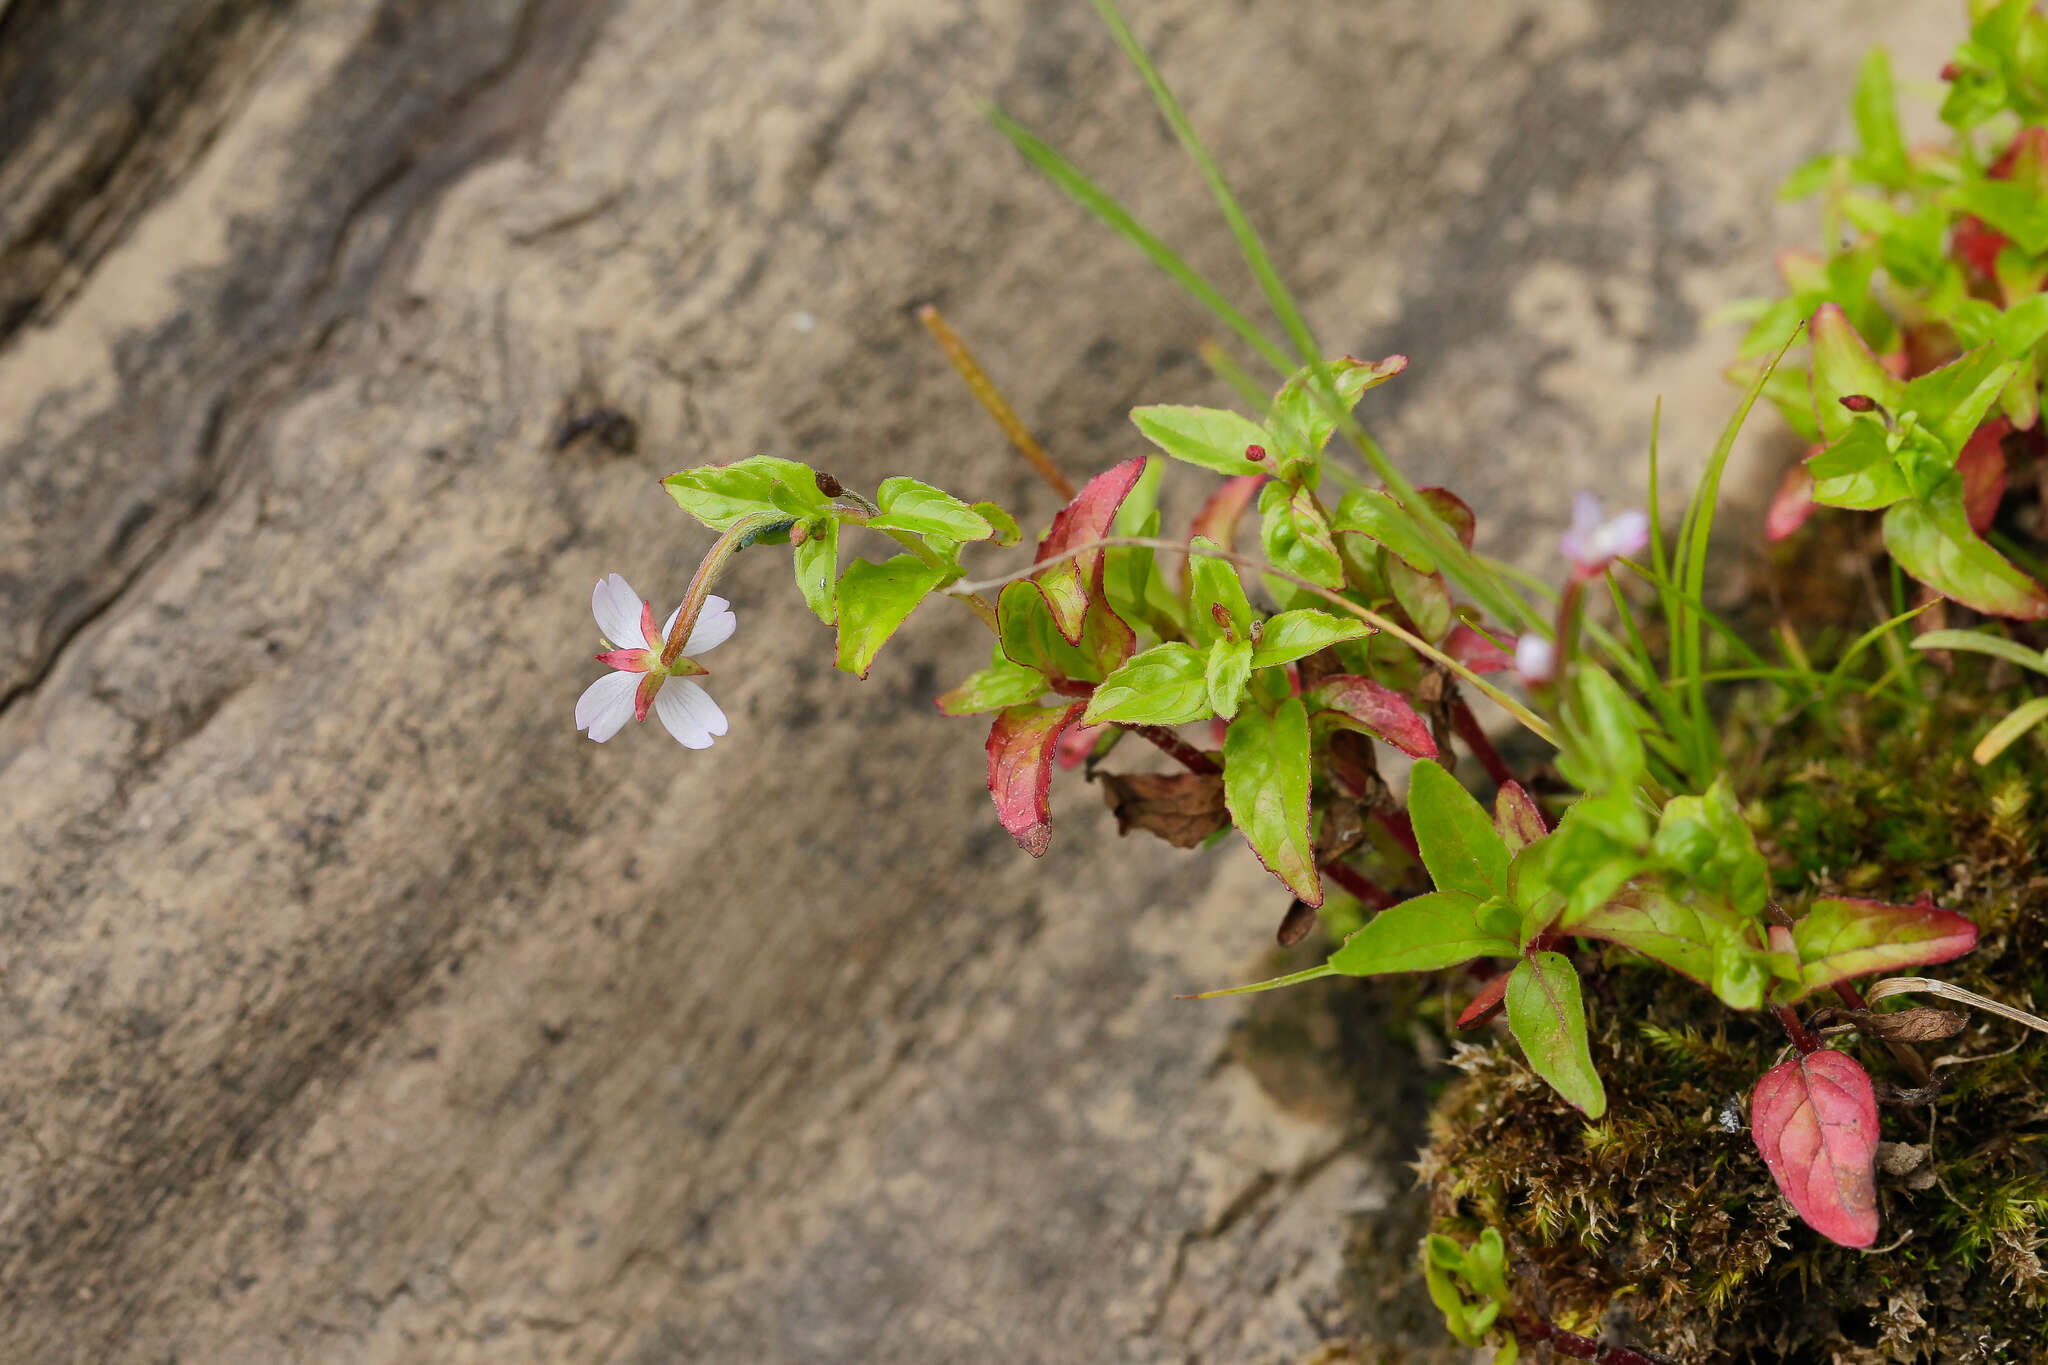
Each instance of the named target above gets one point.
<point>640,681</point>
<point>1534,658</point>
<point>1596,540</point>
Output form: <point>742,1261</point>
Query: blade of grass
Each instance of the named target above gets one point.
<point>1976,641</point>
<point>1098,201</point>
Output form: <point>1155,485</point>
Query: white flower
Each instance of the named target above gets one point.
<point>1534,657</point>
<point>640,681</point>
<point>1596,540</point>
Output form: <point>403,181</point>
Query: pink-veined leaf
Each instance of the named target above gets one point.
<point>1476,652</point>
<point>1070,584</point>
<point>1841,939</point>
<point>1814,1119</point>
<point>1548,1018</point>
<point>1021,744</point>
<point>1356,702</point>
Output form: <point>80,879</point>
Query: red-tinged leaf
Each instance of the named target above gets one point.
<point>1355,702</point>
<point>1020,758</point>
<point>1077,743</point>
<point>1517,818</point>
<point>1841,939</point>
<point>1814,1119</point>
<point>1487,1004</point>
<point>1843,366</point>
<point>1931,539</point>
<point>1476,652</point>
<point>1225,508</point>
<point>1981,462</point>
<point>1070,584</point>
<point>1791,505</point>
<point>1454,512</point>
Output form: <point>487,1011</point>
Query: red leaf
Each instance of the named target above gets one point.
<point>1486,1004</point>
<point>1814,1119</point>
<point>1982,465</point>
<point>1792,504</point>
<point>1475,651</point>
<point>1020,757</point>
<point>1843,937</point>
<point>1069,584</point>
<point>1076,744</point>
<point>1226,506</point>
<point>1358,703</point>
<point>1454,511</point>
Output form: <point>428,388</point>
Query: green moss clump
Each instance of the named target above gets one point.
<point>1664,1210</point>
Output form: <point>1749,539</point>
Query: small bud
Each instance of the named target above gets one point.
<point>1534,658</point>
<point>1255,453</point>
<point>1949,71</point>
<point>1221,616</point>
<point>799,533</point>
<point>829,486</point>
<point>1859,402</point>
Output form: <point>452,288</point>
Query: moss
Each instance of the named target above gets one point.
<point>1664,1208</point>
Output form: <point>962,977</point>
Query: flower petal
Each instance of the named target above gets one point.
<point>617,609</point>
<point>715,625</point>
<point>606,705</point>
<point>689,713</point>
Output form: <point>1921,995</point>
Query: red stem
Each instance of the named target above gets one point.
<point>1359,885</point>
<point>1468,729</point>
<point>1173,746</point>
<point>1576,1347</point>
<point>1803,1037</point>
<point>1398,825</point>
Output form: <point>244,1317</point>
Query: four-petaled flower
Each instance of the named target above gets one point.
<point>641,681</point>
<point>1596,540</point>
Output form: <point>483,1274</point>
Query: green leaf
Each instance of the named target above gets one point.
<point>1843,365</point>
<point>1982,642</point>
<point>1166,685</point>
<point>1548,1018</point>
<point>1001,523</point>
<point>2013,208</point>
<point>719,495</point>
<point>1840,939</point>
<point>1953,399</point>
<point>1706,841</point>
<point>1266,786</point>
<point>817,568</point>
<point>1296,634</point>
<point>1210,437</point>
<point>1698,939</point>
<point>1604,750</point>
<point>998,687</point>
<point>874,599</point>
<point>921,509</point>
<point>1877,122</point>
<point>1213,582</point>
<point>1301,421</point>
<point>1424,596</point>
<point>1295,536</point>
<point>1459,844</point>
<point>1858,470</point>
<point>1931,539</point>
<point>1375,515</point>
<point>1228,668</point>
<point>1517,819</point>
<point>1441,929</point>
<point>2001,736</point>
<point>1028,635</point>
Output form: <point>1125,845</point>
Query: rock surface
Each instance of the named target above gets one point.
<point>356,1009</point>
